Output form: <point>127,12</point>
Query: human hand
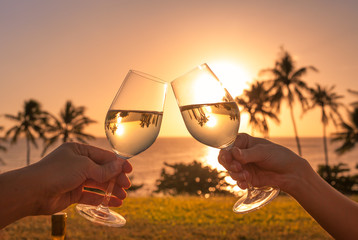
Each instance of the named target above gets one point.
<point>62,175</point>
<point>262,163</point>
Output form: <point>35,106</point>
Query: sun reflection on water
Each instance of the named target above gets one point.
<point>211,159</point>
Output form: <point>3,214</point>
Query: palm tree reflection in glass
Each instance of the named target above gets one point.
<point>212,117</point>
<point>132,125</point>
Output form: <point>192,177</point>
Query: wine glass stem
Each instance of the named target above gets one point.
<point>229,147</point>
<point>108,194</point>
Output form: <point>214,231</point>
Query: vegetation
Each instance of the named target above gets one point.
<point>256,101</point>
<point>30,122</point>
<point>337,176</point>
<point>287,85</point>
<point>349,133</point>
<point>193,179</point>
<point>183,217</point>
<point>68,127</point>
<point>2,147</point>
<point>328,102</point>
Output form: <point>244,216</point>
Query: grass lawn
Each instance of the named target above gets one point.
<point>183,217</point>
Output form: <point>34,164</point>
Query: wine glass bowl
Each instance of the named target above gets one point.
<point>132,124</point>
<point>209,112</point>
<point>212,117</point>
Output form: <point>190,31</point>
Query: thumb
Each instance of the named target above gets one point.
<point>105,172</point>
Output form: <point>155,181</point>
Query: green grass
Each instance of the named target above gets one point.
<point>183,218</point>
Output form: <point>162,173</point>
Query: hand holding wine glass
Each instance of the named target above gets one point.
<point>212,117</point>
<point>132,125</point>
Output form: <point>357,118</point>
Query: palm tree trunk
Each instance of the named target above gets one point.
<point>295,130</point>
<point>325,144</point>
<point>28,151</point>
<point>328,170</point>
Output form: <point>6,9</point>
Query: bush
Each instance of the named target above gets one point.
<point>337,176</point>
<point>193,179</point>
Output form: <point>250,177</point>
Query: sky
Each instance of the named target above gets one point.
<point>54,51</point>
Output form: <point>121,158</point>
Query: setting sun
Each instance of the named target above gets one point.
<point>232,75</point>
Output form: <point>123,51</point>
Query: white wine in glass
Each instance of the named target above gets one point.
<point>132,125</point>
<point>212,117</point>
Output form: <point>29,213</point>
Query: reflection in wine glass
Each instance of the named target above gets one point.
<point>212,117</point>
<point>132,125</point>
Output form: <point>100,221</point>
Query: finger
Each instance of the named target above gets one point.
<point>123,181</point>
<point>98,155</point>
<point>105,172</point>
<point>94,199</point>
<point>118,190</point>
<point>225,158</point>
<point>243,185</point>
<point>239,176</point>
<point>127,167</point>
<point>235,166</point>
<point>244,141</point>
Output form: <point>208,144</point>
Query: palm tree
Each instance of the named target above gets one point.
<point>257,103</point>
<point>354,104</point>
<point>2,147</point>
<point>349,133</point>
<point>287,85</point>
<point>69,126</point>
<point>328,101</point>
<point>30,122</point>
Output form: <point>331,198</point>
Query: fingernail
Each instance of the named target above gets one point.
<point>223,159</point>
<point>241,185</point>
<point>234,167</point>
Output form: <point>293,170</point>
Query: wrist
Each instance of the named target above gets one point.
<point>299,179</point>
<point>20,196</point>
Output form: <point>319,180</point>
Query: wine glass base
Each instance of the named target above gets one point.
<point>255,199</point>
<point>101,215</point>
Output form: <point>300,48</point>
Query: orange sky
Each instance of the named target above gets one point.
<point>55,51</point>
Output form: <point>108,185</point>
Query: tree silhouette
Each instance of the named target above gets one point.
<point>192,178</point>
<point>257,103</point>
<point>2,147</point>
<point>349,133</point>
<point>337,176</point>
<point>31,122</point>
<point>145,120</point>
<point>287,85</point>
<point>328,102</point>
<point>68,127</point>
<point>201,114</point>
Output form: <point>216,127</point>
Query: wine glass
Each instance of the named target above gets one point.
<point>132,125</point>
<point>212,117</point>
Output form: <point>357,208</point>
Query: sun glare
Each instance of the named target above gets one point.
<point>232,75</point>
<point>120,128</point>
<point>213,90</point>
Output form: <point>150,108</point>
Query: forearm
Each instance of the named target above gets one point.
<point>17,196</point>
<point>336,213</point>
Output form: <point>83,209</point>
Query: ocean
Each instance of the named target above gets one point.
<point>147,166</point>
